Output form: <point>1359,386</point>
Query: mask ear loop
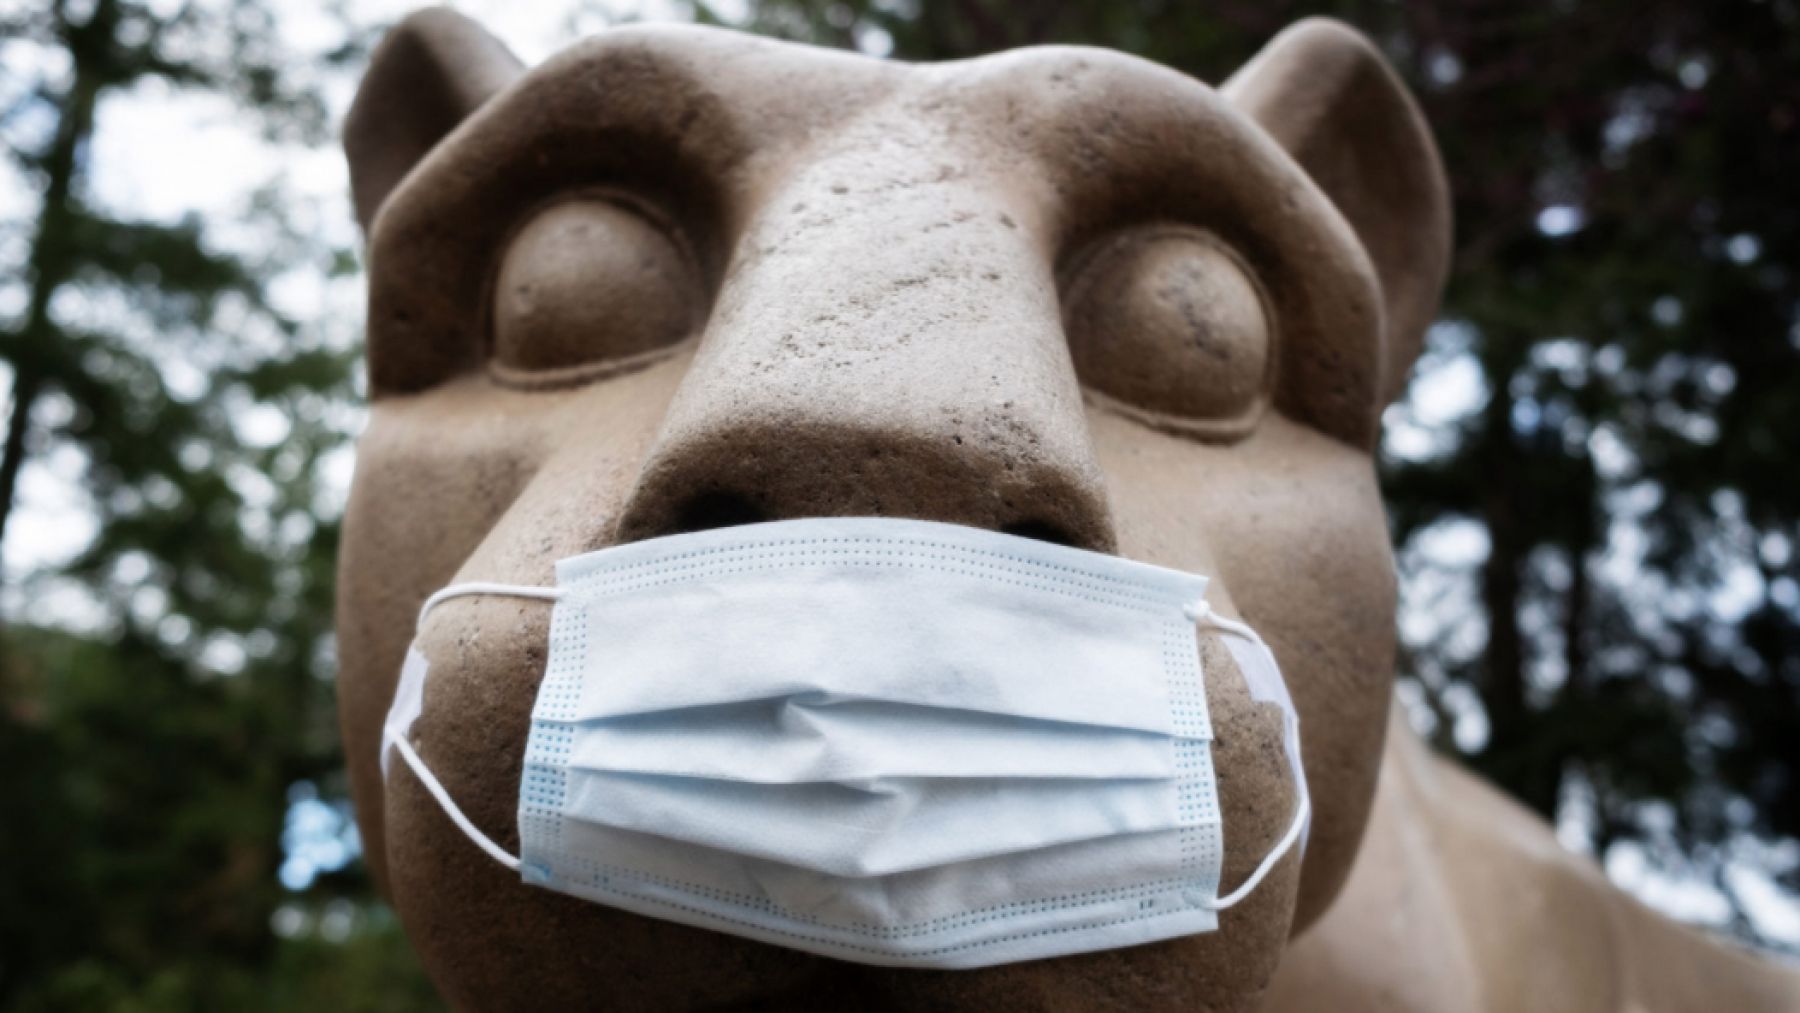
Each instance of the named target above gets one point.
<point>480,587</point>
<point>1202,613</point>
<point>436,788</point>
<point>413,760</point>
<point>1268,862</point>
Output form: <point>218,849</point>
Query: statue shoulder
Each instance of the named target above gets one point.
<point>1463,900</point>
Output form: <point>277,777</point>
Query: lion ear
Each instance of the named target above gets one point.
<point>1325,94</point>
<point>431,71</point>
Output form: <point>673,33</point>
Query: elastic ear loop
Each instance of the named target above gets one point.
<point>422,772</point>
<point>1202,612</point>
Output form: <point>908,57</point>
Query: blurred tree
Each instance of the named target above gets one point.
<point>147,757</point>
<point>1625,281</point>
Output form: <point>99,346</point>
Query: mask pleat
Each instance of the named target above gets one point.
<point>879,827</point>
<point>804,739</point>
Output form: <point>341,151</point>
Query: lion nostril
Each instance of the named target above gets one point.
<point>710,510</point>
<point>720,469</point>
<point>1043,531</point>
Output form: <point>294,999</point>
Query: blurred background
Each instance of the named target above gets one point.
<point>1594,478</point>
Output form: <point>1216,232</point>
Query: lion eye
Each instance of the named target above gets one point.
<point>1167,322</point>
<point>591,281</point>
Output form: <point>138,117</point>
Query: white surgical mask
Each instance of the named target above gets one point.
<point>888,741</point>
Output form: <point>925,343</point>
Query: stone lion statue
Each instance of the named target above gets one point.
<point>677,279</point>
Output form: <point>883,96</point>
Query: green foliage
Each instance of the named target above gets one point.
<point>143,807</point>
<point>148,753</point>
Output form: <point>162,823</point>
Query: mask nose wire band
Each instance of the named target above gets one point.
<point>1201,612</point>
<point>424,774</point>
